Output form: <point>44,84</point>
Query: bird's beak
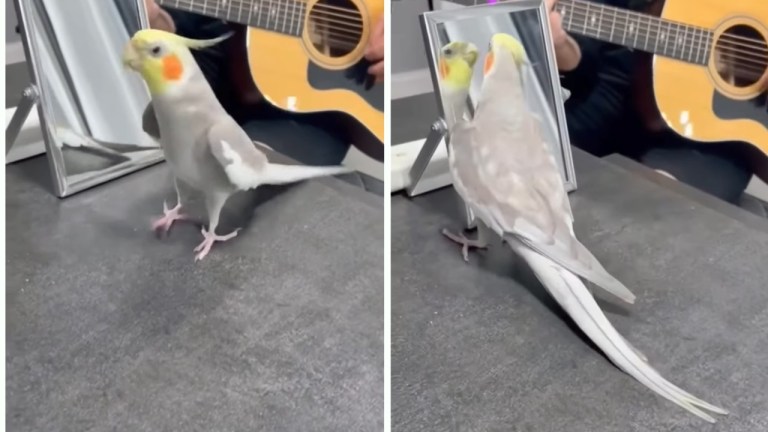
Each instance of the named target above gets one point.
<point>470,53</point>
<point>131,57</point>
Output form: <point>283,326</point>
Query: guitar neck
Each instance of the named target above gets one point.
<point>635,30</point>
<point>281,16</point>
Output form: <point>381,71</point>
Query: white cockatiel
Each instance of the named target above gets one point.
<point>204,146</point>
<point>506,173</point>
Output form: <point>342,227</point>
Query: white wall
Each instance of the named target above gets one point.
<point>410,71</point>
<point>14,51</point>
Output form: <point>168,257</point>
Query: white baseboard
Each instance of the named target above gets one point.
<point>14,53</point>
<point>436,176</point>
<point>758,189</point>
<point>30,140</point>
<point>365,164</point>
<point>411,83</point>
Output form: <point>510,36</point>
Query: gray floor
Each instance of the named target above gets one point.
<point>482,347</point>
<point>111,329</point>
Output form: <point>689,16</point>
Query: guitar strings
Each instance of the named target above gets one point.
<point>280,16</point>
<point>745,59</point>
<point>250,5</point>
<point>585,6</point>
<point>726,40</point>
<point>280,19</point>
<point>655,32</point>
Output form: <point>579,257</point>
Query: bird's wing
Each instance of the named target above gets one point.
<point>511,180</point>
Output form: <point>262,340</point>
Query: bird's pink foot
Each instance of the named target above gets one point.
<point>163,224</point>
<point>209,239</point>
<point>465,243</point>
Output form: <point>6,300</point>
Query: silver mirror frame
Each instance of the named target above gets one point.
<point>430,23</point>
<point>64,186</point>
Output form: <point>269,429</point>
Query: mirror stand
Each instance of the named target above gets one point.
<point>438,133</point>
<point>28,100</point>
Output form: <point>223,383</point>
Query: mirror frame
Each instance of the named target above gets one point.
<point>430,22</point>
<point>62,186</point>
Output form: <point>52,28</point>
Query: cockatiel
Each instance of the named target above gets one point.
<point>202,143</point>
<point>455,64</point>
<point>506,173</point>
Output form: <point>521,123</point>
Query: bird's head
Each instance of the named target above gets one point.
<point>456,62</point>
<point>504,48</point>
<point>163,59</point>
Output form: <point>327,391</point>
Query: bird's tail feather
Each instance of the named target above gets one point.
<point>571,293</point>
<point>276,174</point>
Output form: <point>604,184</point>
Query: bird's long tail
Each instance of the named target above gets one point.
<point>276,174</point>
<point>571,293</point>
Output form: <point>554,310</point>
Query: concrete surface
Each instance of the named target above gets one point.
<point>480,346</point>
<point>111,329</point>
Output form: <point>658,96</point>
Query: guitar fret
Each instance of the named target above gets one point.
<point>298,21</point>
<point>258,8</point>
<point>699,38</point>
<point>272,14</point>
<point>647,35</point>
<point>600,21</point>
<point>634,29</point>
<point>706,48</point>
<point>585,19</point>
<point>613,26</point>
<point>686,45</point>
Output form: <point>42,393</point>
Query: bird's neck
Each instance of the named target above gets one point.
<point>455,103</point>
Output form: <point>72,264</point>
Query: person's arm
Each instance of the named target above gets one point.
<point>567,50</point>
<point>601,86</point>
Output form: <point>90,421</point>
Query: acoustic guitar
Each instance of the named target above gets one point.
<point>706,61</point>
<point>307,57</point>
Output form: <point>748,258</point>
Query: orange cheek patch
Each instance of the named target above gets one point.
<point>488,63</point>
<point>172,67</point>
<point>444,69</point>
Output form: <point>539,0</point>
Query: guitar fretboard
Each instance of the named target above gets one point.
<point>631,29</point>
<point>639,31</point>
<point>282,16</point>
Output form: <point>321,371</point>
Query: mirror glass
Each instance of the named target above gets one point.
<point>90,107</point>
<point>477,22</point>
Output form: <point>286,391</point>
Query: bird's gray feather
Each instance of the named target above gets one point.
<point>508,176</point>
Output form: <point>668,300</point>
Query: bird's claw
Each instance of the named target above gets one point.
<point>163,224</point>
<point>465,243</point>
<point>209,239</point>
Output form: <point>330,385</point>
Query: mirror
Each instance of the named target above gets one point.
<point>89,106</point>
<point>477,22</point>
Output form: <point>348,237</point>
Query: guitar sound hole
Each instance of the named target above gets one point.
<point>335,27</point>
<point>741,56</point>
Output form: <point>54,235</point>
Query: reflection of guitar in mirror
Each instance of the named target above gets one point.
<point>706,61</point>
<point>306,57</point>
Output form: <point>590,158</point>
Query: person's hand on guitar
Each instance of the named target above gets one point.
<point>375,52</point>
<point>158,18</point>
<point>567,51</point>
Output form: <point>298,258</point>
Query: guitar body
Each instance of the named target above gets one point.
<point>701,102</point>
<point>297,75</point>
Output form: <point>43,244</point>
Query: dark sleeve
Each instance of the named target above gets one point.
<point>601,87</point>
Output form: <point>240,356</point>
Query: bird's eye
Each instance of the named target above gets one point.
<point>448,52</point>
<point>155,50</point>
